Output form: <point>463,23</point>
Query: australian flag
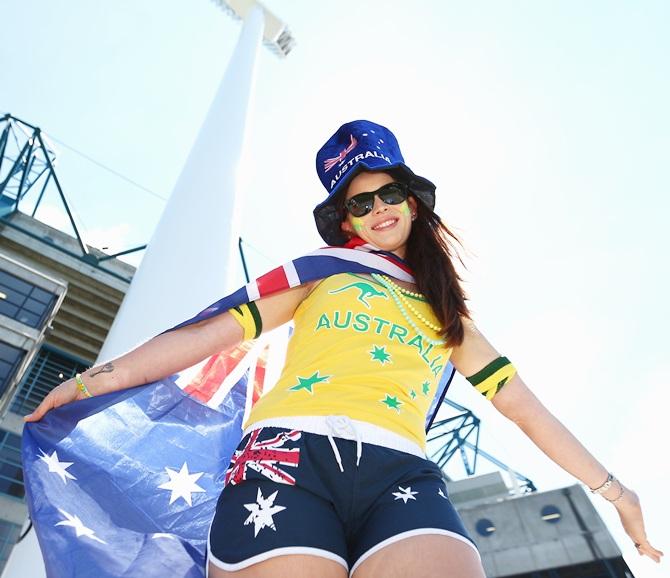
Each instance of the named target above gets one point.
<point>126,484</point>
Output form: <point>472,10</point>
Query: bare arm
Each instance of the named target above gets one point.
<point>171,352</point>
<point>518,403</point>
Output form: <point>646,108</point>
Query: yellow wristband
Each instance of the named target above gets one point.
<point>81,386</point>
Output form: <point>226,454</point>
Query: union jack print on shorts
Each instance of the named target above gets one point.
<point>265,458</point>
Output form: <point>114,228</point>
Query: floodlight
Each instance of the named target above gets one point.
<point>276,35</point>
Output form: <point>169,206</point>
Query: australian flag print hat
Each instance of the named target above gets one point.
<point>358,146</point>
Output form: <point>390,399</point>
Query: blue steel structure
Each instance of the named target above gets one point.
<point>27,170</point>
<point>459,434</point>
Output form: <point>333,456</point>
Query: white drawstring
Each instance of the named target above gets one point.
<point>336,451</point>
<point>342,426</point>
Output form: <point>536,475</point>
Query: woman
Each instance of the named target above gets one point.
<point>331,476</point>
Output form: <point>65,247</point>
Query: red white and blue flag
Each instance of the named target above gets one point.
<point>126,484</point>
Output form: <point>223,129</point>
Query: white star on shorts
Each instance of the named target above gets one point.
<point>405,494</point>
<point>262,512</point>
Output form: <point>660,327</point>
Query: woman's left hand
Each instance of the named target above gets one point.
<point>630,514</point>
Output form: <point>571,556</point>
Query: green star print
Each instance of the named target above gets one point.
<point>379,354</point>
<point>392,402</point>
<point>425,388</point>
<point>308,382</point>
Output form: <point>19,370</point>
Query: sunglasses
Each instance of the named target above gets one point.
<point>391,194</point>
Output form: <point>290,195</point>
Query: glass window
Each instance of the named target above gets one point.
<point>6,308</point>
<point>41,295</point>
<point>9,534</point>
<point>485,527</point>
<point>34,306</point>
<point>10,358</point>
<point>48,369</point>
<point>28,318</point>
<point>24,301</point>
<point>14,283</point>
<point>11,474</point>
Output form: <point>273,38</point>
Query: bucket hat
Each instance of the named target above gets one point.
<point>360,145</point>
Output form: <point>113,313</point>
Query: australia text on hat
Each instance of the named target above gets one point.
<point>330,163</point>
<point>356,159</point>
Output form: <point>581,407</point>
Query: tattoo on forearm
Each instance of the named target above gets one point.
<point>107,368</point>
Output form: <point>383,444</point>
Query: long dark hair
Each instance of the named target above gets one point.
<point>431,248</point>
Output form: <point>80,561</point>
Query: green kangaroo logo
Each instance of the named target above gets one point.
<point>366,291</point>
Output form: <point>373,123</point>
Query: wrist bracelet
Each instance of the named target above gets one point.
<point>81,386</point>
<point>605,486</point>
<point>619,496</point>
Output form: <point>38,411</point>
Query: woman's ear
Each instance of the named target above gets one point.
<point>411,201</point>
<point>346,227</point>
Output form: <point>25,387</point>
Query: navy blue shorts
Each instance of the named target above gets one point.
<point>285,493</point>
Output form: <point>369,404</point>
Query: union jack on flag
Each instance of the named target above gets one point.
<point>265,458</point>
<point>126,484</point>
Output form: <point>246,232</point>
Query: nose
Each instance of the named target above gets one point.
<point>379,206</point>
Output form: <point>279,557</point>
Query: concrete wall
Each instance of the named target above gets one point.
<point>524,542</point>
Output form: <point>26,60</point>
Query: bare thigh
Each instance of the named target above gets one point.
<point>428,556</point>
<point>291,566</point>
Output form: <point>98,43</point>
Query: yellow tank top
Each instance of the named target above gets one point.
<point>353,353</point>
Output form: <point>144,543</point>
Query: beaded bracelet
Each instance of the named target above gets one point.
<point>81,386</point>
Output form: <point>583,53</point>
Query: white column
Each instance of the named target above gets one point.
<point>192,259</point>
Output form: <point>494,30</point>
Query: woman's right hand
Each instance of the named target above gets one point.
<point>66,392</point>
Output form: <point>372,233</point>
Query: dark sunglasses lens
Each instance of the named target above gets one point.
<point>360,205</point>
<point>393,194</point>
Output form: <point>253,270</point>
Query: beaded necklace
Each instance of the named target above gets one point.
<point>397,294</point>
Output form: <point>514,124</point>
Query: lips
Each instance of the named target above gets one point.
<point>385,224</point>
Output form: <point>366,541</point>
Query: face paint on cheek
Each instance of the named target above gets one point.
<point>357,224</point>
<point>404,208</point>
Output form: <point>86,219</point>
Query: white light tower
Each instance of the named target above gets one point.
<point>192,257</point>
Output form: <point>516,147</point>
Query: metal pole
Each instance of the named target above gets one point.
<point>3,144</point>
<point>14,168</point>
<point>39,198</point>
<point>82,246</point>
<point>244,262</point>
<point>26,169</point>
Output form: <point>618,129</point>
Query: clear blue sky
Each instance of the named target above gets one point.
<point>545,125</point>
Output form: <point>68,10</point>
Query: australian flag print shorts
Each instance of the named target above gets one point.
<point>292,492</point>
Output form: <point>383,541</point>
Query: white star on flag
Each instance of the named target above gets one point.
<point>78,526</point>
<point>405,494</point>
<point>441,493</point>
<point>262,512</point>
<point>182,484</point>
<point>56,466</point>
